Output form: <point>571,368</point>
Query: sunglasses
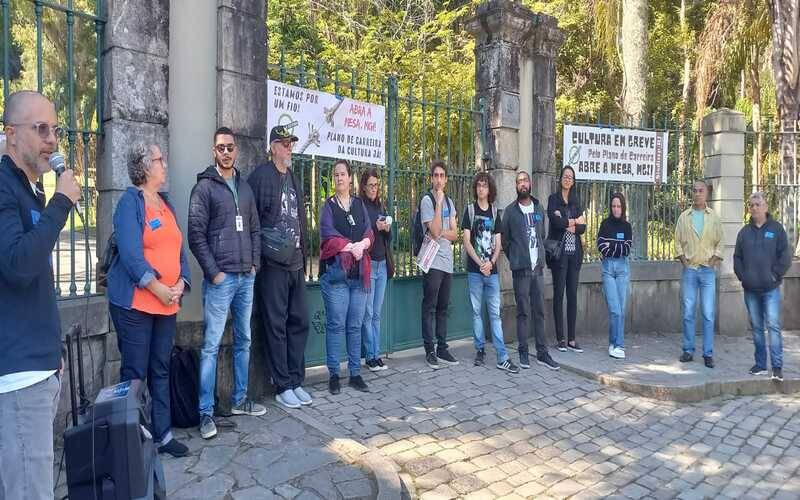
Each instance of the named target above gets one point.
<point>43,129</point>
<point>222,147</point>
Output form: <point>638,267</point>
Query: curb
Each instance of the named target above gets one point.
<point>692,393</point>
<point>385,471</point>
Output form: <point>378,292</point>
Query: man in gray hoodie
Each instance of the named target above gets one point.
<point>760,260</point>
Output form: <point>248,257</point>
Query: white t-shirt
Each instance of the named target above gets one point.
<point>530,224</point>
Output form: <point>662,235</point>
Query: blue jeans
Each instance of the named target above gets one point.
<point>488,286</point>
<point>234,293</point>
<point>702,279</point>
<point>345,302</point>
<point>616,275</point>
<point>761,307</point>
<point>371,330</point>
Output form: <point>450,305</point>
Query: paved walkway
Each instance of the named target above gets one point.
<point>652,369</point>
<point>473,433</point>
<point>275,456</point>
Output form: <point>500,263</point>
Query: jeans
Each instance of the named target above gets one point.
<point>26,440</point>
<point>488,286</point>
<point>284,319</point>
<point>371,330</point>
<point>702,279</point>
<point>435,301</point>
<point>234,293</point>
<point>345,302</point>
<point>529,294</point>
<point>565,278</point>
<point>761,307</point>
<point>616,274</point>
<point>145,345</point>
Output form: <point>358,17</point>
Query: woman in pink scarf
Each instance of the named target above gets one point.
<point>344,264</point>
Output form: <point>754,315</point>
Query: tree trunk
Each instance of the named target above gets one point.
<point>687,80</point>
<point>785,58</point>
<point>754,94</point>
<point>633,35</point>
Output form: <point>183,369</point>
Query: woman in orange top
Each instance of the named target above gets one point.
<point>145,285</point>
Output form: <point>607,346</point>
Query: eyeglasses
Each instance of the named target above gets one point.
<point>43,129</point>
<point>287,143</point>
<point>222,147</point>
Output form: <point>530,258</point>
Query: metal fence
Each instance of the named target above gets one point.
<point>419,128</point>
<point>56,48</point>
<point>652,209</point>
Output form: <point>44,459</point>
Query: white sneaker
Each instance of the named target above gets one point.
<point>302,396</point>
<point>610,349</point>
<point>617,353</point>
<point>288,399</point>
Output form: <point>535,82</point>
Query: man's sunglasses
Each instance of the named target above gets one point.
<point>43,129</point>
<point>222,147</point>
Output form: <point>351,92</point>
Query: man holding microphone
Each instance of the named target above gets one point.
<point>30,333</point>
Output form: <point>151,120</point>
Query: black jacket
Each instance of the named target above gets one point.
<point>559,223</point>
<point>514,236</point>
<point>213,238</point>
<point>30,330</point>
<point>265,180</point>
<point>762,256</point>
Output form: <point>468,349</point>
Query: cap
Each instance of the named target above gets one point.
<point>280,133</point>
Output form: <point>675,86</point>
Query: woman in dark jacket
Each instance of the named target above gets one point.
<point>614,244</point>
<point>382,266</point>
<point>567,224</point>
<point>145,285</point>
<point>344,266</point>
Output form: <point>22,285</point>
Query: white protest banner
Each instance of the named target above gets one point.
<point>616,154</point>
<point>328,125</point>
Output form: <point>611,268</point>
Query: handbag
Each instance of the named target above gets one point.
<point>277,246</point>
<point>109,256</point>
<point>553,249</point>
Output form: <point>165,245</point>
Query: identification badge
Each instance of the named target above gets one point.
<point>350,220</point>
<point>154,224</point>
<point>769,235</point>
<point>239,223</point>
<point>537,217</point>
<point>620,236</point>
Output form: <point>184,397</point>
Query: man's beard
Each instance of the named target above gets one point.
<point>523,195</point>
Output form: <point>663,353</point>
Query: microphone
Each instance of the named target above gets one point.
<point>59,165</point>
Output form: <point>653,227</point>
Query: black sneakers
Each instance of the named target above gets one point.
<point>777,374</point>
<point>574,347</point>
<point>709,361</point>
<point>358,384</point>
<point>372,365</point>
<point>174,448</point>
<point>561,346</point>
<point>431,360</point>
<point>479,358</point>
<point>756,370</point>
<point>445,357</point>
<point>686,357</point>
<point>546,360</point>
<point>508,366</point>
<point>333,385</point>
<point>524,360</point>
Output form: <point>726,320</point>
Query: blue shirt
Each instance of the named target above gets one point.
<point>698,220</point>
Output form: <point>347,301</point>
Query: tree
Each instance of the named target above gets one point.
<point>633,50</point>
<point>786,69</point>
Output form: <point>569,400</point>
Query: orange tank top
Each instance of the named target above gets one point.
<point>162,250</point>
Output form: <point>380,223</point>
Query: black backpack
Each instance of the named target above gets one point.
<point>417,228</point>
<point>184,385</point>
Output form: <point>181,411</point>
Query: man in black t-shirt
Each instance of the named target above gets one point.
<point>481,250</point>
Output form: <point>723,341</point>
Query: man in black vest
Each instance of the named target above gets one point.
<point>30,333</point>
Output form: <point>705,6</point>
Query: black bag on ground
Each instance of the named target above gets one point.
<point>184,387</point>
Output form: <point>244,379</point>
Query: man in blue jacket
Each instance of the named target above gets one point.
<point>224,236</point>
<point>30,332</point>
<point>760,260</point>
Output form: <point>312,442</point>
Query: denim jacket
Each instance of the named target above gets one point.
<point>130,269</point>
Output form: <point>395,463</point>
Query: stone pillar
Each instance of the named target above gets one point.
<point>723,149</point>
<point>515,78</point>
<point>541,51</point>
<point>135,95</point>
<point>241,76</point>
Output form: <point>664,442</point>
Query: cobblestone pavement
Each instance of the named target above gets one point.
<point>263,458</point>
<point>477,432</point>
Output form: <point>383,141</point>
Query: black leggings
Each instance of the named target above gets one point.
<point>565,276</point>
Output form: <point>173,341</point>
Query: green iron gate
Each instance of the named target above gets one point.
<point>419,128</point>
